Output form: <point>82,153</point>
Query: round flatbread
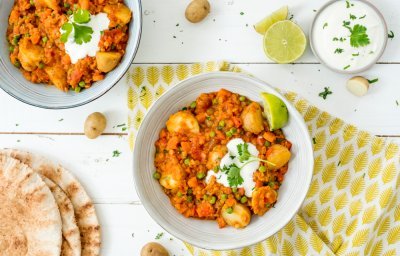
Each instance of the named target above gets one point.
<point>71,243</point>
<point>85,212</point>
<point>30,222</point>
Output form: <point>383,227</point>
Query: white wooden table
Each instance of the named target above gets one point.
<point>227,34</point>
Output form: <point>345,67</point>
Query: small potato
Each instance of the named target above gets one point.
<point>278,155</point>
<point>252,118</point>
<point>238,216</point>
<point>153,249</point>
<point>119,14</point>
<point>107,61</point>
<point>183,122</point>
<point>197,10</point>
<point>358,85</point>
<point>95,125</point>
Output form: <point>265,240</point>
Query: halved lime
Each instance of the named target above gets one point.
<point>275,110</point>
<point>284,42</point>
<point>263,25</point>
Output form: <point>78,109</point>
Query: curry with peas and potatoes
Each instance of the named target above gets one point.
<point>35,33</point>
<point>217,159</point>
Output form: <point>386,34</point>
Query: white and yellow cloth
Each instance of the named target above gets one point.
<point>353,205</point>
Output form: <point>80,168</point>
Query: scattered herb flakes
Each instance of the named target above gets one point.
<point>397,102</point>
<point>362,17</point>
<point>335,39</point>
<point>116,153</point>
<point>291,17</point>
<point>347,4</point>
<point>159,235</point>
<point>339,50</point>
<point>339,163</point>
<point>346,67</point>
<point>18,140</point>
<point>174,36</point>
<point>121,125</point>
<point>346,24</point>
<point>391,35</point>
<point>177,25</point>
<point>314,10</point>
<point>241,13</point>
<point>314,141</point>
<point>61,119</point>
<point>325,93</point>
<point>352,17</point>
<point>363,175</point>
<point>373,81</point>
<point>356,54</point>
<point>16,124</point>
<point>325,25</point>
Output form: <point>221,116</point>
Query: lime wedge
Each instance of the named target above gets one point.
<point>263,25</point>
<point>275,110</point>
<point>284,42</point>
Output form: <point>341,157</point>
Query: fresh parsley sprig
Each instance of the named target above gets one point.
<point>234,177</point>
<point>358,36</point>
<point>82,33</point>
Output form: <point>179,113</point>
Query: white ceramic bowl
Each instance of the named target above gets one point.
<point>203,233</point>
<point>44,96</point>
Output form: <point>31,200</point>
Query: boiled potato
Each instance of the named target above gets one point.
<point>107,61</point>
<point>252,118</point>
<point>197,10</point>
<point>262,199</point>
<point>153,249</point>
<point>183,122</point>
<point>52,4</point>
<point>172,173</point>
<point>278,156</point>
<point>358,86</point>
<point>29,55</point>
<point>120,11</point>
<point>57,76</point>
<point>238,216</point>
<point>215,156</point>
<point>95,125</point>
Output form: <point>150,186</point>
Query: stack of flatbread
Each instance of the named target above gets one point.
<point>44,210</point>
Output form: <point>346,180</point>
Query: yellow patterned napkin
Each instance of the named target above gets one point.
<point>353,205</point>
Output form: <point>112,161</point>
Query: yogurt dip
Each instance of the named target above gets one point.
<point>348,36</point>
<point>247,168</point>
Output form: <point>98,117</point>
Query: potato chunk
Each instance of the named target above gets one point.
<point>278,155</point>
<point>29,55</point>
<point>252,118</point>
<point>172,173</point>
<point>262,199</point>
<point>237,216</point>
<point>107,61</point>
<point>57,76</point>
<point>52,4</point>
<point>120,12</point>
<point>215,156</point>
<point>183,122</point>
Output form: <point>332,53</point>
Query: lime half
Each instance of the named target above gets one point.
<point>284,42</point>
<point>262,26</point>
<point>275,110</point>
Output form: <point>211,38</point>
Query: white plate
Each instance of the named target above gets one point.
<point>203,233</point>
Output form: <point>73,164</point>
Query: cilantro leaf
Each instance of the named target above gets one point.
<point>67,27</point>
<point>83,34</point>
<point>234,177</point>
<point>82,16</point>
<point>243,150</point>
<point>325,93</point>
<point>359,36</point>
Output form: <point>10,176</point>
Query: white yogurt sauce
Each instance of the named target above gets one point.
<point>331,40</point>
<point>98,23</point>
<point>246,172</point>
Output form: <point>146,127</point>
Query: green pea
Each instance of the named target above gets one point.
<point>212,134</point>
<point>234,190</point>
<point>229,210</point>
<point>189,199</point>
<point>187,161</point>
<point>238,197</point>
<point>193,104</point>
<point>205,197</point>
<point>77,89</point>
<point>69,12</point>
<point>82,84</point>
<point>45,39</point>
<point>11,48</point>
<point>66,5</point>
<point>32,2</point>
<point>262,168</point>
<point>221,123</point>
<point>200,175</point>
<point>213,200</point>
<point>242,98</point>
<point>229,134</point>
<point>243,200</point>
<point>179,194</point>
<point>267,143</point>
<point>215,101</point>
<point>224,196</point>
<point>41,65</point>
<point>189,191</point>
<point>156,175</point>
<point>17,64</point>
<point>233,130</point>
<point>16,39</point>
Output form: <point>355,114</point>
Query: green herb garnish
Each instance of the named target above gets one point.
<point>234,177</point>
<point>243,151</point>
<point>391,35</point>
<point>339,50</point>
<point>356,54</point>
<point>373,81</point>
<point>82,16</point>
<point>352,17</point>
<point>116,153</point>
<point>325,93</point>
<point>362,17</point>
<point>159,235</point>
<point>82,34</point>
<point>325,25</point>
<point>346,67</point>
<point>359,36</point>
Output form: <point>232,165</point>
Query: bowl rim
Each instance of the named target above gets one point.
<point>230,75</point>
<point>93,98</point>
<point>375,60</point>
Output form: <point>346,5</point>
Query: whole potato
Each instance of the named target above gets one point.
<point>95,125</point>
<point>197,10</point>
<point>154,249</point>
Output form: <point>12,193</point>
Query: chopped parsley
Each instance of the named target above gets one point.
<point>244,154</point>
<point>352,17</point>
<point>116,153</point>
<point>339,50</point>
<point>362,17</point>
<point>397,102</point>
<point>348,5</point>
<point>373,81</point>
<point>325,93</point>
<point>159,235</point>
<point>234,177</point>
<point>325,25</point>
<point>346,67</point>
<point>391,35</point>
<point>82,34</point>
<point>314,141</point>
<point>60,120</point>
<point>241,13</point>
<point>356,54</point>
<point>339,163</point>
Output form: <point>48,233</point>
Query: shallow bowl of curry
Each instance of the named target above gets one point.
<point>45,95</point>
<point>209,232</point>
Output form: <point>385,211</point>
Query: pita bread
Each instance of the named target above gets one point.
<point>85,212</point>
<point>30,223</point>
<point>71,243</point>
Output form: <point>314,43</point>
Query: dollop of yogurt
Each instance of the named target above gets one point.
<point>98,23</point>
<point>247,168</point>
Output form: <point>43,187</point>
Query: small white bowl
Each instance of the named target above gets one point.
<point>44,96</point>
<point>203,233</point>
<point>339,70</point>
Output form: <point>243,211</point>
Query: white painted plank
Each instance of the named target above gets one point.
<point>126,228</point>
<point>228,35</point>
<point>106,178</point>
<point>376,112</point>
